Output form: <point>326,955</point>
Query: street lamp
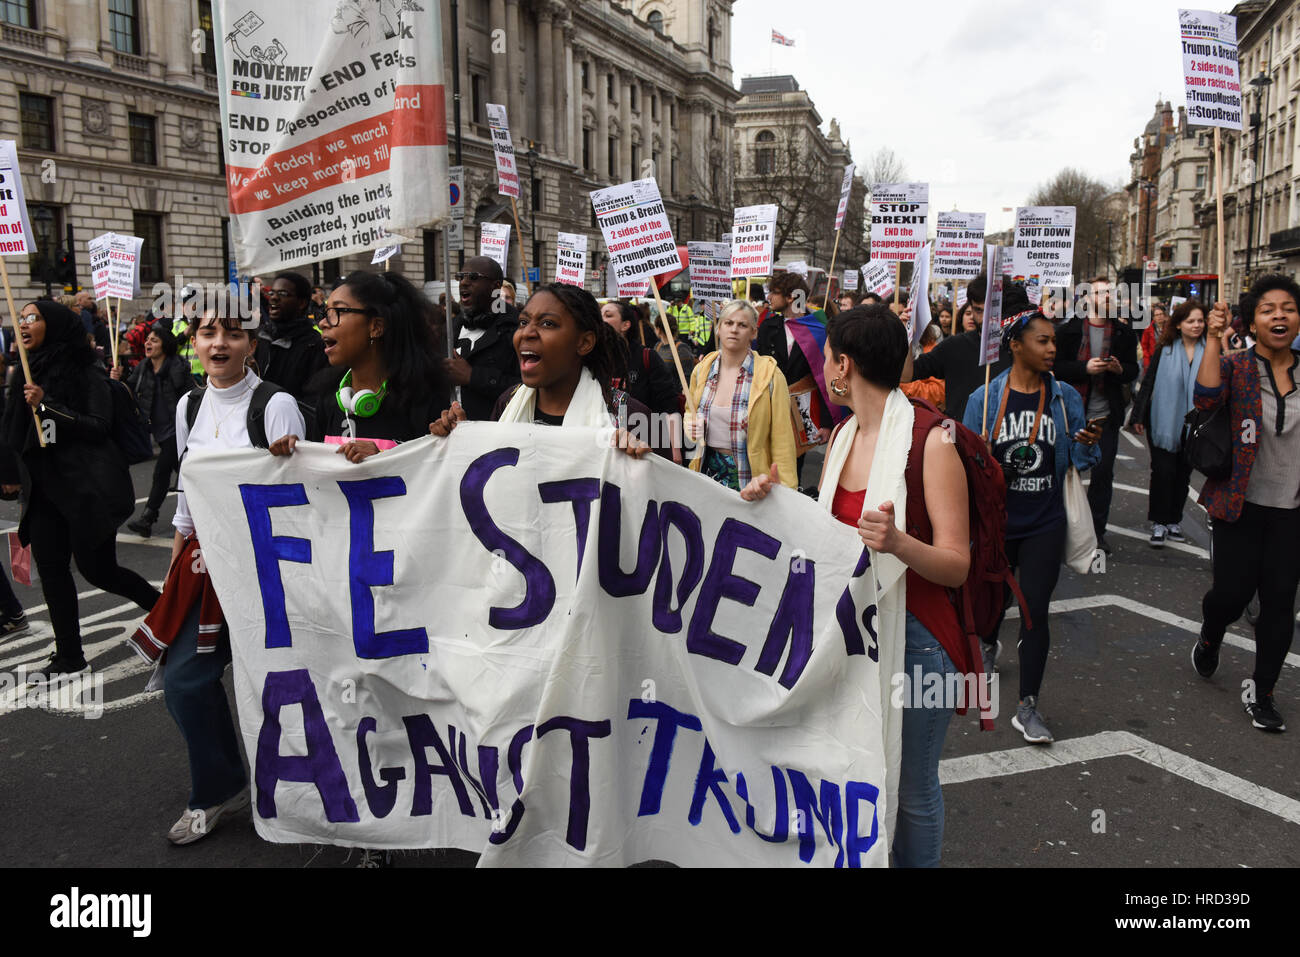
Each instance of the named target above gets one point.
<point>532,200</point>
<point>1110,224</point>
<point>1261,83</point>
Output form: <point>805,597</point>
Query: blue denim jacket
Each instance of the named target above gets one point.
<point>1067,412</point>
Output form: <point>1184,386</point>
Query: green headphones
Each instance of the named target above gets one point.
<point>364,403</point>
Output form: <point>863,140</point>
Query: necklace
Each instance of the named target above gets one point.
<point>216,432</point>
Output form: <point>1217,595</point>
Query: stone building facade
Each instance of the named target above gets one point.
<point>782,156</point>
<point>114,107</point>
<point>116,119</point>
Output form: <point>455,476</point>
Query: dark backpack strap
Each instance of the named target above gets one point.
<point>256,422</point>
<point>192,407</point>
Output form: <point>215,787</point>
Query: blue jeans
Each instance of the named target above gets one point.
<point>197,701</point>
<point>918,833</point>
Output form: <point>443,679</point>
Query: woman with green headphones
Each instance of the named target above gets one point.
<point>384,385</point>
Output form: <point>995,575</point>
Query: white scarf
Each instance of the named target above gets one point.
<point>586,409</point>
<point>887,483</point>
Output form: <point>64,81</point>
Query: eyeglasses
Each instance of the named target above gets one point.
<point>28,320</point>
<point>280,294</point>
<point>332,314</point>
<point>469,276</point>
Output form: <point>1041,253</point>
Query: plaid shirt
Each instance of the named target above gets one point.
<point>738,439</point>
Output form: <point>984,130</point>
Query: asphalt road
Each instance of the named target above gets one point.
<point>1153,766</point>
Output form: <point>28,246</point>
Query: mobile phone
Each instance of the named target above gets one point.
<point>1096,423</point>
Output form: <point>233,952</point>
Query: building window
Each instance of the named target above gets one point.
<point>654,106</point>
<point>205,24</point>
<point>38,121</point>
<point>20,13</point>
<point>610,92</point>
<point>715,178</point>
<point>535,191</point>
<point>613,156</point>
<point>333,271</point>
<point>632,97</point>
<point>539,254</point>
<point>587,135</point>
<point>477,83</point>
<point>47,227</point>
<point>636,161</point>
<point>765,153</point>
<point>148,226</point>
<point>672,114</point>
<point>656,21</point>
<point>713,124</point>
<point>711,32</point>
<point>672,175</point>
<point>1200,177</point>
<point>430,255</point>
<point>1196,255</point>
<point>124,25</point>
<point>143,139</point>
<point>586,77</point>
<point>654,163</point>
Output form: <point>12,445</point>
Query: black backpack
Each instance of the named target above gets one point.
<point>130,427</point>
<point>256,411</point>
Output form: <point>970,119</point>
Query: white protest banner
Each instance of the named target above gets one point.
<point>899,212</point>
<point>456,195</point>
<point>334,128</point>
<point>124,265</point>
<point>1044,245</point>
<point>991,329</point>
<point>878,277</point>
<point>1008,262</point>
<point>798,267</point>
<point>15,229</point>
<point>961,299</point>
<point>846,187</point>
<point>520,641</point>
<point>918,295</point>
<point>753,233</point>
<point>494,243</point>
<point>710,271</point>
<point>634,223</point>
<point>1211,71</point>
<point>98,249</point>
<point>385,253</point>
<point>571,258</point>
<point>958,245</point>
<point>504,151</point>
<point>850,282</point>
<point>633,289</point>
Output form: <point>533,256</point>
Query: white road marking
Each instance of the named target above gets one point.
<point>1109,744</point>
<point>1146,537</point>
<point>155,541</point>
<point>1132,439</point>
<point>1124,458</point>
<point>1066,605</point>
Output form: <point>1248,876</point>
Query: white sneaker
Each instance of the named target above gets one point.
<point>1158,536</point>
<point>1176,533</point>
<point>196,824</point>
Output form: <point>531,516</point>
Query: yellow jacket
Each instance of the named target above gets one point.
<point>771,429</point>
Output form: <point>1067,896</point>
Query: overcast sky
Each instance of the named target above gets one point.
<point>985,101</point>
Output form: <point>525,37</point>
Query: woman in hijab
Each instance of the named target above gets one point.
<point>76,489</point>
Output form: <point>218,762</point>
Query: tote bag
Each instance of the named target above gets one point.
<point>1080,537</point>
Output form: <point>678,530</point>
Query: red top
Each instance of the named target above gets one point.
<point>929,603</point>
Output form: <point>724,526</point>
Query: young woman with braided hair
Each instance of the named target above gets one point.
<point>568,360</point>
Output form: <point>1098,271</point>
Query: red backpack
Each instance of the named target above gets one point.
<point>980,601</point>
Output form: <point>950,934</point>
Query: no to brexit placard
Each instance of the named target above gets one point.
<point>899,212</point>
<point>753,233</point>
<point>504,151</point>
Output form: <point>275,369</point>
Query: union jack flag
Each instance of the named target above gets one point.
<point>782,39</point>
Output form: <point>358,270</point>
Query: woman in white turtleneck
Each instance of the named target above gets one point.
<point>195,661</point>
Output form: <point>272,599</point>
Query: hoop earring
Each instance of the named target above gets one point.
<point>837,388</point>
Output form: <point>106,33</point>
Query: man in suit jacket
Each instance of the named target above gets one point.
<point>485,364</point>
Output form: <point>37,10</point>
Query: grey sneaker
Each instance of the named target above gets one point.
<point>1030,723</point>
<point>1176,533</point>
<point>990,653</point>
<point>1158,535</point>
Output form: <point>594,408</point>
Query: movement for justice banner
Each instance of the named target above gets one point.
<point>333,125</point>
<point>519,641</point>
